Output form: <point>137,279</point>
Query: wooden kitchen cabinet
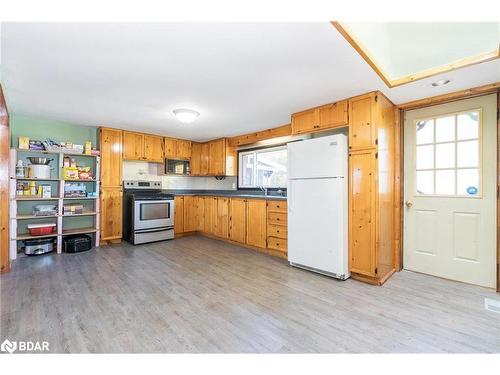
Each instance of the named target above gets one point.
<point>183,149</point>
<point>177,148</point>
<point>210,217</point>
<point>204,156</point>
<point>178,214</point>
<point>256,223</point>
<point>362,129</point>
<point>170,147</point>
<point>305,121</point>
<point>191,213</point>
<point>277,226</point>
<point>362,212</point>
<point>153,148</point>
<point>333,115</point>
<point>237,219</point>
<point>110,145</point>
<point>325,117</point>
<point>216,158</point>
<point>222,226</point>
<point>372,187</point>
<point>111,213</point>
<point>133,146</point>
<point>145,147</point>
<point>196,159</point>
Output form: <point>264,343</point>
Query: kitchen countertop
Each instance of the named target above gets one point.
<point>225,193</point>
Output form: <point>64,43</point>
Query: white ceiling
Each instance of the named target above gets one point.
<point>240,77</point>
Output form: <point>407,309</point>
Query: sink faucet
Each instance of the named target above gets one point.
<point>263,189</point>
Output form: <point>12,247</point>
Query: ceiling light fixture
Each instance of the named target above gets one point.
<point>441,82</point>
<point>186,116</point>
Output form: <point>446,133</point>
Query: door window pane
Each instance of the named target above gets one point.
<point>445,155</point>
<point>425,182</point>
<point>445,129</point>
<point>468,154</point>
<point>425,157</point>
<point>468,181</point>
<point>425,132</point>
<point>445,182</point>
<point>468,125</point>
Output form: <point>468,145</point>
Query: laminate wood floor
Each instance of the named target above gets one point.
<point>199,295</point>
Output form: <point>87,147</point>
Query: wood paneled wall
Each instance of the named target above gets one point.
<point>4,184</point>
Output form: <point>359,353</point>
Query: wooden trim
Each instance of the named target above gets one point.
<point>357,46</point>
<point>245,139</point>
<point>498,190</point>
<point>452,96</point>
<point>4,184</point>
<point>462,63</point>
<point>398,189</point>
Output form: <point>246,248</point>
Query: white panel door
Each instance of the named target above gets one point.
<point>317,224</point>
<point>321,157</point>
<point>450,190</point>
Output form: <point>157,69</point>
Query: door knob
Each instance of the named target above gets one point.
<point>409,204</point>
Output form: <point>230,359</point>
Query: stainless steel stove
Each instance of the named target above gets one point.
<point>148,213</point>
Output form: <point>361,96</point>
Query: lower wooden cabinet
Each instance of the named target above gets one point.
<point>210,217</point>
<point>256,223</point>
<point>193,213</point>
<point>237,219</point>
<point>178,215</point>
<point>277,226</point>
<point>111,213</point>
<point>222,226</point>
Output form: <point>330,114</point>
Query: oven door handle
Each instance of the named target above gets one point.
<point>162,229</point>
<point>154,201</point>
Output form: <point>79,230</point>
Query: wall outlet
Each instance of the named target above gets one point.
<point>233,185</point>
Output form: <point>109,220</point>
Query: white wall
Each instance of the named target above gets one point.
<point>138,170</point>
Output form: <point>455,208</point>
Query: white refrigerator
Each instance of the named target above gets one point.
<point>318,206</point>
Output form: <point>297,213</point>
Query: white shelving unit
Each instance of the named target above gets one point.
<point>15,200</point>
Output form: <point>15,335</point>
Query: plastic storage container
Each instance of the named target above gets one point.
<point>41,229</point>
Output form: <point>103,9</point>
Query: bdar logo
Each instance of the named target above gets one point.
<point>8,346</point>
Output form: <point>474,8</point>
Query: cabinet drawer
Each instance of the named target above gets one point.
<point>277,243</point>
<point>277,206</point>
<point>277,231</point>
<point>277,218</point>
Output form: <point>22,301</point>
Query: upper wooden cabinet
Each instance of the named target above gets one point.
<point>196,159</point>
<point>177,148</point>
<point>153,148</point>
<point>328,116</point>
<point>215,158</point>
<point>362,127</point>
<point>138,146</point>
<point>133,146</point>
<point>110,144</point>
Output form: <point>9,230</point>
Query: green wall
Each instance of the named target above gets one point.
<point>40,129</point>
